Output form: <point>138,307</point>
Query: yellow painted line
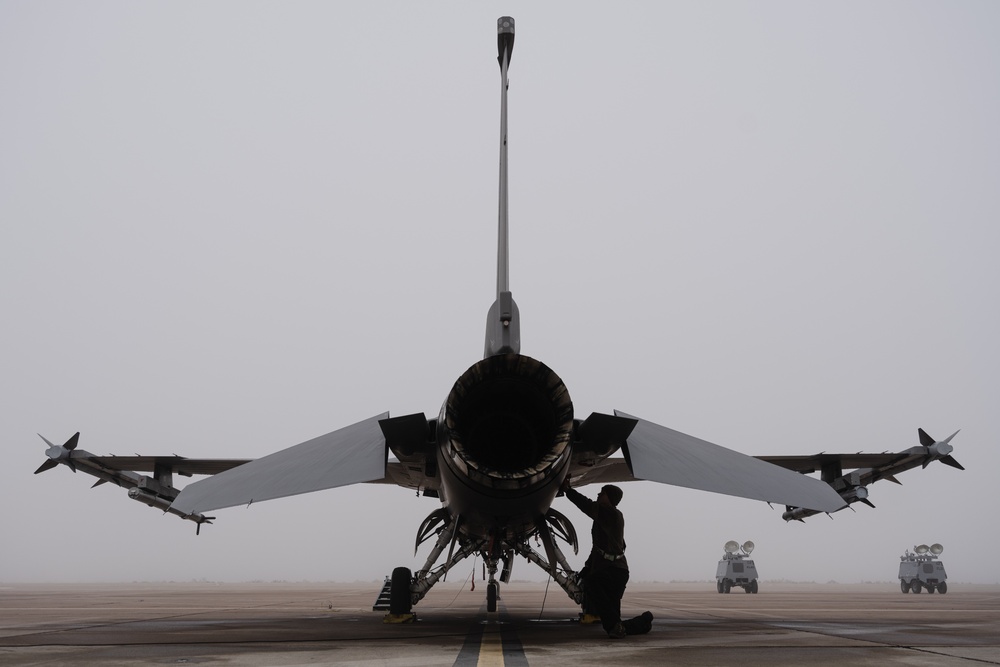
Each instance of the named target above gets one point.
<point>491,649</point>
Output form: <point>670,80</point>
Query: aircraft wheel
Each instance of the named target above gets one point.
<point>753,586</point>
<point>903,586</point>
<point>942,588</point>
<point>915,586</point>
<point>399,592</point>
<point>726,586</point>
<point>491,596</point>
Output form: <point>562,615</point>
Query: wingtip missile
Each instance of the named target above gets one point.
<point>939,450</point>
<point>59,453</point>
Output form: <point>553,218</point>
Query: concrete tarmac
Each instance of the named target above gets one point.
<point>333,624</point>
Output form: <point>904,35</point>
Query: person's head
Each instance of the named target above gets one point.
<point>612,493</point>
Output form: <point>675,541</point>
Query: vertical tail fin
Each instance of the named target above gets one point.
<point>503,322</point>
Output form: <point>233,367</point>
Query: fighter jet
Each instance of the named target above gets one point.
<point>495,456</point>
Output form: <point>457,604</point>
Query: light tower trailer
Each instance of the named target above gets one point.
<point>736,569</point>
<point>922,569</point>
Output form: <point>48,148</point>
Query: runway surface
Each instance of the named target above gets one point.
<point>333,624</point>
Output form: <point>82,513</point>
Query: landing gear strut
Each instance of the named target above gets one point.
<point>406,589</point>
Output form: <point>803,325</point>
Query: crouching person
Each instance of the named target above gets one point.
<point>606,571</point>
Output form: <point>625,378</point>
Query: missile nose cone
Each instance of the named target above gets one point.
<point>941,449</point>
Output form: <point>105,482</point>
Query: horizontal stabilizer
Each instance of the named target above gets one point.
<point>354,454</point>
<point>663,455</point>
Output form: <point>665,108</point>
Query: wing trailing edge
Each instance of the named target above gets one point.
<point>354,454</point>
<point>660,454</point>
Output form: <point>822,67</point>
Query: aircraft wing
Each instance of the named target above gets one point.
<point>178,464</point>
<point>353,454</point>
<point>156,491</point>
<point>864,469</point>
<point>660,454</point>
<point>357,453</point>
<point>816,462</point>
<point>664,455</point>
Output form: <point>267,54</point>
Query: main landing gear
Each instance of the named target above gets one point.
<point>404,588</point>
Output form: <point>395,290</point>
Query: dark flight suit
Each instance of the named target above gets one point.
<point>606,571</point>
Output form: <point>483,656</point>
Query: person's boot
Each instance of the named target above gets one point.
<point>639,625</point>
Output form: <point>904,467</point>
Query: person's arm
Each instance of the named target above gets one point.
<point>586,505</point>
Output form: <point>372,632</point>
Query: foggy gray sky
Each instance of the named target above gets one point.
<point>226,228</point>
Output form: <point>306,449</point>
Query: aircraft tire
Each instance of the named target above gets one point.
<point>943,588</point>
<point>903,586</point>
<point>491,596</point>
<point>399,592</point>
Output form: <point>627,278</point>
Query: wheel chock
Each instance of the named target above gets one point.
<point>587,619</point>
<point>399,618</point>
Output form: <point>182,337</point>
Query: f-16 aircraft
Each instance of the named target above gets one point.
<point>496,455</point>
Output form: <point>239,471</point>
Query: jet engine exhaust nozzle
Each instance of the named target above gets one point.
<point>508,423</point>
